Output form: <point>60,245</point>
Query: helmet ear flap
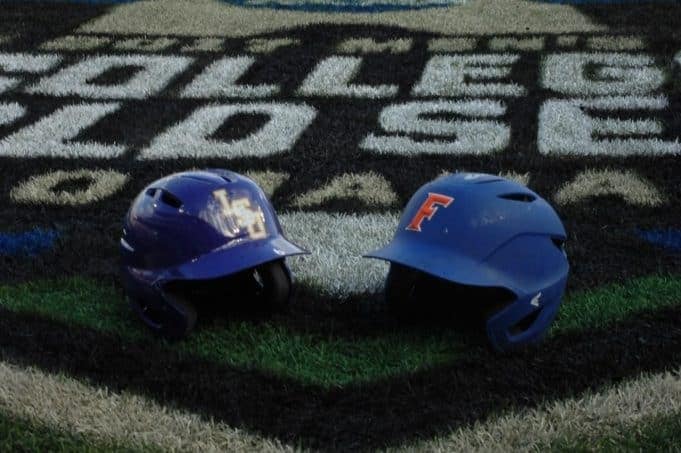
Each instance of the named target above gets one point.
<point>173,318</point>
<point>181,318</point>
<point>274,280</point>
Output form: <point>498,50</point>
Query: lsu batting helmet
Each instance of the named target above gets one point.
<point>200,235</point>
<point>491,235</point>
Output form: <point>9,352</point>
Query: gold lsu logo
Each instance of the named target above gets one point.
<point>243,214</point>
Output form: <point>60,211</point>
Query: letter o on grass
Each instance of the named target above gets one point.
<point>40,189</point>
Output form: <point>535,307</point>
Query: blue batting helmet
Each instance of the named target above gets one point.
<point>485,232</point>
<point>189,232</point>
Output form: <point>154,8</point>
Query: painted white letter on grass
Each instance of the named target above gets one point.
<point>581,74</point>
<point>468,75</point>
<point>468,135</point>
<point>10,112</point>
<point>191,137</point>
<point>219,81</point>
<point>333,77</point>
<point>627,184</point>
<point>153,73</point>
<point>566,129</point>
<point>22,62</point>
<point>52,135</point>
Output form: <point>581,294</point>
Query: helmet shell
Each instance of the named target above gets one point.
<point>483,230</point>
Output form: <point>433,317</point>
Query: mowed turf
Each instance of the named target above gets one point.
<point>660,433</point>
<point>57,405</point>
<point>308,353</point>
<point>617,414</point>
<point>17,434</point>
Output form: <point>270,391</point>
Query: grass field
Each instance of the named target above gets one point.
<point>340,111</point>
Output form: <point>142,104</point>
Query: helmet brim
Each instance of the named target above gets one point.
<point>440,263</point>
<point>234,258</point>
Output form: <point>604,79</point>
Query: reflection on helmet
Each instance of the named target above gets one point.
<point>202,237</point>
<point>480,239</point>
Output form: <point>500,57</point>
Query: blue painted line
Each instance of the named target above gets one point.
<point>669,238</point>
<point>29,243</point>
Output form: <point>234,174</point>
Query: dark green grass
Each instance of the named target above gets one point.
<point>313,355</point>
<point>309,355</point>
<point>21,435</point>
<point>613,303</point>
<point>661,433</point>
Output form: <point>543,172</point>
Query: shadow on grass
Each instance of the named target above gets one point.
<point>652,17</point>
<point>382,413</point>
<point>31,23</point>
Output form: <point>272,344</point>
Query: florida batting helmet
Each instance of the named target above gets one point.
<point>487,233</point>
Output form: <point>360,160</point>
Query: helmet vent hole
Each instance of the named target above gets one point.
<point>150,192</point>
<point>486,181</point>
<point>225,175</point>
<point>519,196</point>
<point>170,199</point>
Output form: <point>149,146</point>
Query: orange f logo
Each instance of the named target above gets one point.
<point>428,209</point>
